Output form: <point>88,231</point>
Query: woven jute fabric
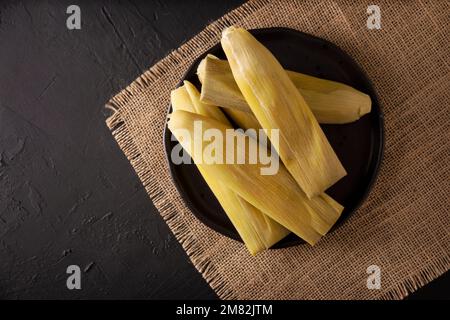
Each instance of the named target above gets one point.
<point>403,227</point>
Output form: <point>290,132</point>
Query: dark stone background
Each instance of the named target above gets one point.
<point>67,193</point>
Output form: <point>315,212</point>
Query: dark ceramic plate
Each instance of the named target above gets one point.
<point>359,145</point>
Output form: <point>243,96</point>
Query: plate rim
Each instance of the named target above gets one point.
<point>377,159</point>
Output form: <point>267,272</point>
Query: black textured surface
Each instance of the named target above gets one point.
<point>67,193</point>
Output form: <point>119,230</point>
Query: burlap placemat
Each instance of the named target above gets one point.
<point>403,227</point>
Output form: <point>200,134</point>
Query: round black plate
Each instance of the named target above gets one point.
<point>359,145</point>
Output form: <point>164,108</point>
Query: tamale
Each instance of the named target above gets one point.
<point>242,119</point>
<point>278,196</point>
<point>180,100</point>
<point>257,230</point>
<point>331,102</point>
<point>277,104</point>
<point>200,107</point>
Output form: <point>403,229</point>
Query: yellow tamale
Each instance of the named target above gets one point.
<point>278,195</point>
<point>331,102</point>
<point>200,107</point>
<point>257,230</point>
<point>242,119</point>
<point>277,104</point>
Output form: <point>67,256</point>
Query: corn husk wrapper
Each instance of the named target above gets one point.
<point>257,230</point>
<point>278,196</point>
<point>277,104</point>
<point>331,102</point>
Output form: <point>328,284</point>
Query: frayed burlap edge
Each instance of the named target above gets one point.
<point>417,281</point>
<point>166,209</point>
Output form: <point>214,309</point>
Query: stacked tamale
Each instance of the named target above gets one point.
<point>253,90</point>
